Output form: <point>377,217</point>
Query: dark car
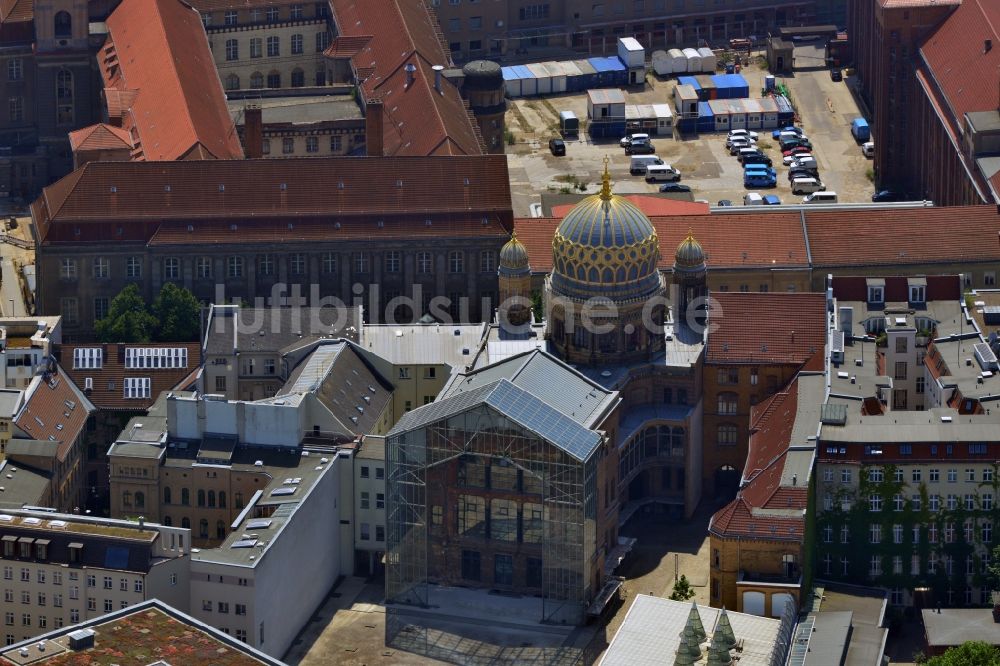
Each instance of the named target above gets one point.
<point>836,74</point>
<point>759,158</point>
<point>644,147</point>
<point>674,187</point>
<point>725,202</point>
<point>800,172</point>
<point>557,146</point>
<point>795,143</point>
<point>886,195</point>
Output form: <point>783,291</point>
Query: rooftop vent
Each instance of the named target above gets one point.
<point>987,46</point>
<point>946,419</point>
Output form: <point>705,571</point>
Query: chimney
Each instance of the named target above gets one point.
<point>987,46</point>
<point>438,69</point>
<point>410,69</point>
<point>253,132</point>
<point>373,128</point>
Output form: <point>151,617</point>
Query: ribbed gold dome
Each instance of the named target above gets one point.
<point>605,246</point>
<point>689,254</point>
<point>513,255</point>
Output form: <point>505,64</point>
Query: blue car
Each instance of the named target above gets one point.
<point>760,168</point>
<point>755,179</point>
<point>771,200</point>
<point>776,133</point>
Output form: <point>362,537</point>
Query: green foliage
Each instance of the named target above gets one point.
<point>178,313</point>
<point>682,590</point>
<point>970,653</point>
<point>537,308</point>
<point>127,320</point>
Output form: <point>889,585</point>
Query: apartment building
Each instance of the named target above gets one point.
<point>265,44</point>
<point>519,27</point>
<point>25,346</point>
<point>59,569</point>
<point>369,506</point>
<point>298,126</point>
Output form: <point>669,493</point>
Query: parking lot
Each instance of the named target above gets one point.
<point>825,109</point>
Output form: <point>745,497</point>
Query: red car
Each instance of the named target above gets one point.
<point>797,150</point>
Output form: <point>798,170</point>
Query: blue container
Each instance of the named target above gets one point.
<point>610,71</point>
<point>689,81</point>
<point>587,78</point>
<point>606,130</point>
<point>731,86</point>
<point>706,119</point>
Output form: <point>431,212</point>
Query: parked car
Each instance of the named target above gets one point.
<point>739,144</point>
<point>785,144</point>
<point>557,146</point>
<point>791,128</point>
<point>886,195</point>
<point>753,199</point>
<point>640,146</point>
<point>675,187</point>
<point>759,158</point>
<point>637,165</point>
<point>789,159</point>
<point>659,173</point>
<point>746,134</point>
<point>771,200</point>
<point>724,202</point>
<point>760,168</point>
<point>868,149</point>
<point>759,179</point>
<point>626,141</point>
<point>836,74</point>
<point>797,150</point>
<point>801,172</point>
<point>807,185</point>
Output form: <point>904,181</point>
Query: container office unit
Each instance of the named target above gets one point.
<point>587,78</point>
<point>573,76</point>
<point>606,112</point>
<point>694,84</point>
<point>754,111</point>
<point>707,88</point>
<point>686,101</point>
<point>529,84</point>
<point>633,56</point>
<point>708,59</point>
<point>610,71</point>
<point>542,79</point>
<point>730,86</point>
<point>649,118</point>
<point>693,60</point>
<point>786,114</point>
<point>720,111</point>
<point>706,119</point>
<point>511,81</point>
<point>557,74</point>
<point>769,113</point>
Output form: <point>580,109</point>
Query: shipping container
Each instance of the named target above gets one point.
<point>706,119</point>
<point>529,84</point>
<point>610,71</point>
<point>542,79</point>
<point>662,64</point>
<point>706,88</point>
<point>511,81</point>
<point>631,52</point>
<point>786,114</point>
<point>686,100</point>
<point>737,114</point>
<point>558,76</point>
<point>755,114</point>
<point>731,86</point>
<point>606,105</point>
<point>720,109</point>
<point>607,130</point>
<point>678,59</point>
<point>769,110</point>
<point>708,59</point>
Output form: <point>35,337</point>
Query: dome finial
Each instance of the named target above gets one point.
<point>606,181</point>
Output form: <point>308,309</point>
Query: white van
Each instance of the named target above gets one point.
<point>662,173</point>
<point>806,186</point>
<point>753,199</point>
<point>640,162</point>
<point>820,197</point>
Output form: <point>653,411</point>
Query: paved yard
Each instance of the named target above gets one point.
<point>826,109</point>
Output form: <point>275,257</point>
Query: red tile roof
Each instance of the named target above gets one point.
<point>145,194</point>
<point>765,239</point>
<point>966,73</point>
<point>100,137</point>
<point>16,11</point>
<point>903,235</point>
<point>939,288</point>
<point>651,206</point>
<point>53,411</point>
<point>159,48</point>
<point>347,46</point>
<point>418,119</point>
<point>769,327</point>
<point>108,381</point>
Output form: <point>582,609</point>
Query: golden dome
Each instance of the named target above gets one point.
<point>605,246</point>
<point>513,255</point>
<point>689,254</point>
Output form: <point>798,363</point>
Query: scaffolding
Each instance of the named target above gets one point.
<point>502,429</point>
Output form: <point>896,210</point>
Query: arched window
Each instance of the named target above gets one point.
<point>298,78</point>
<point>185,496</point>
<point>727,403</point>
<point>203,528</point>
<point>168,521</point>
<point>222,499</point>
<point>728,433</point>
<point>232,82</point>
<point>186,523</point>
<point>127,498</point>
<point>140,500</point>
<point>274,79</point>
<point>238,499</point>
<point>166,495</point>
<point>62,25</point>
<point>201,497</point>
<point>64,97</point>
<point>220,530</point>
<point>211,498</point>
<point>256,80</point>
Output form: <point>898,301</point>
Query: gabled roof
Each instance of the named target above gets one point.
<point>768,327</point>
<point>53,411</point>
<point>159,49</point>
<point>16,11</point>
<point>966,73</point>
<point>516,404</point>
<point>100,137</point>
<point>548,379</point>
<point>938,288</point>
<point>108,381</point>
<point>419,120</point>
<point>346,46</point>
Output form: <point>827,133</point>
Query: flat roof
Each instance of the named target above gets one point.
<point>456,345</point>
<point>904,426</point>
<point>44,521</point>
<point>298,110</point>
<point>867,606</point>
<point>945,627</point>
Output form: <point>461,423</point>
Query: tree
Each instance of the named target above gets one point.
<point>970,653</point>
<point>178,313</point>
<point>128,319</point>
<point>993,572</point>
<point>682,590</point>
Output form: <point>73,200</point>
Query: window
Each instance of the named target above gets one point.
<point>295,12</point>
<point>322,42</point>
<point>917,294</point>
<point>297,263</point>
<point>380,532</point>
<point>471,566</point>
<point>379,473</point>
<point>915,502</point>
<point>970,501</point>
<point>424,263</point>
<point>875,567</point>
<point>171,268</point>
<point>15,69</point>
<point>900,344</point>
<point>287,143</point>
<point>727,403</point>
<point>69,308</point>
<point>265,264</point>
<point>88,358</point>
<point>365,532</point>
<point>934,503</point>
<point>952,502</point>
<point>329,262</point>
<point>256,48</point>
<point>241,634</point>
<point>934,475</point>
<point>230,18</point>
<point>234,267</point>
<point>487,261</point>
<point>952,475</point>
<point>296,45</point>
<point>360,262</point>
<point>845,476</point>
<point>64,96</point>
<point>874,503</point>
<point>901,369</point>
<point>365,472</point>
<point>223,607</point>
<point>335,144</point>
<point>898,502</point>
<point>828,534</point>
<point>312,142</point>
<point>987,501</point>
<point>15,109</point>
<point>137,387</point>
<point>921,385</point>
<point>456,262</point>
<point>986,532</point>
<point>392,261</point>
<point>133,267</point>
<point>203,267</point>
<point>273,47</point>
<point>272,14</point>
<point>232,49</point>
<point>875,475</point>
<point>727,434</point>
<point>365,500</point>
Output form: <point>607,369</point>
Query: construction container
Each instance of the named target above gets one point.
<point>587,78</point>
<point>686,100</point>
<point>708,59</point>
<point>706,88</point>
<point>542,79</point>
<point>610,71</point>
<point>557,74</point>
<point>511,81</point>
<point>529,84</point>
<point>706,118</point>
<point>731,86</point>
<point>693,60</point>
